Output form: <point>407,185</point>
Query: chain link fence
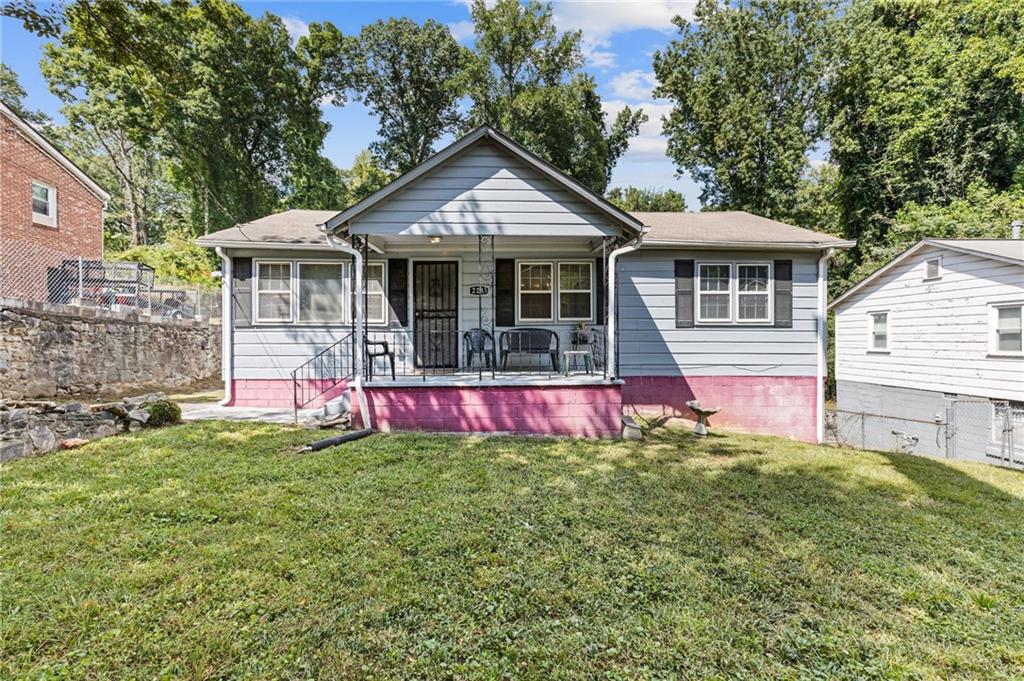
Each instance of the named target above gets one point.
<point>112,285</point>
<point>971,429</point>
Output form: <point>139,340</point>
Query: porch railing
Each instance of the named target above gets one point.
<point>322,372</point>
<point>419,354</point>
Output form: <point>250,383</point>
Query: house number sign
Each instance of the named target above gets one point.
<point>478,290</point>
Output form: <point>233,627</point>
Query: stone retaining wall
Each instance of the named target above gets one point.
<point>51,350</point>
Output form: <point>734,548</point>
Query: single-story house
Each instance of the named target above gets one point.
<point>928,351</point>
<point>485,290</point>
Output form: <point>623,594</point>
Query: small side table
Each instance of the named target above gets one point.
<point>572,356</point>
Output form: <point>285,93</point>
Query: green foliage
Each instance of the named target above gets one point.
<point>524,79</point>
<point>213,550</point>
<point>924,102</point>
<point>410,77</point>
<point>746,80</point>
<point>364,177</point>
<point>162,413</point>
<point>646,199</point>
<point>177,260</point>
<point>12,94</point>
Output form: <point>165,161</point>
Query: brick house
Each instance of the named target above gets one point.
<point>50,210</point>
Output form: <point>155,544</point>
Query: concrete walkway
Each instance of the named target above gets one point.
<point>211,411</point>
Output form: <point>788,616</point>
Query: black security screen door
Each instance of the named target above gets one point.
<point>435,290</point>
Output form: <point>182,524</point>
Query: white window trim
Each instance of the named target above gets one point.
<point>730,291</point>
<point>871,332</point>
<point>557,284</point>
<point>734,294</point>
<point>938,269</point>
<point>257,319</point>
<point>382,264</point>
<point>520,292</point>
<point>769,308</point>
<point>39,218</point>
<point>993,326</point>
<point>346,291</point>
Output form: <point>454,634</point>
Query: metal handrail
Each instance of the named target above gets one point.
<point>322,372</point>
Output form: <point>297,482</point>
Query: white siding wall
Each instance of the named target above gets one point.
<point>651,345</point>
<point>938,330</point>
<point>484,189</point>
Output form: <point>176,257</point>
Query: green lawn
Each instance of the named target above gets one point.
<point>215,551</point>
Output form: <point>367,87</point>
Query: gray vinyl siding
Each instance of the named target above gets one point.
<point>273,350</point>
<point>651,345</point>
<point>484,190</point>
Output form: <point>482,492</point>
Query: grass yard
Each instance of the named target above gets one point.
<point>213,550</point>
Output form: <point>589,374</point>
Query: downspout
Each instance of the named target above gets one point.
<point>227,323</point>
<point>822,371</point>
<point>364,409</point>
<point>613,299</point>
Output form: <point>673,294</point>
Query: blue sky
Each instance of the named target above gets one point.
<point>619,36</point>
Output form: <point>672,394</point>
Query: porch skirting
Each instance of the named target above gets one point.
<point>278,392</point>
<point>593,411</point>
<point>771,405</point>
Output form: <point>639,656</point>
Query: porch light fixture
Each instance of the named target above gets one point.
<point>435,238</point>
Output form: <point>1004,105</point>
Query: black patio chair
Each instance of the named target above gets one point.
<point>529,341</point>
<point>375,349</point>
<point>479,342</point>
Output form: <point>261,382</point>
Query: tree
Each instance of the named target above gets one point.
<point>13,95</point>
<point>365,177</point>
<point>924,103</point>
<point>524,80</point>
<point>410,77</point>
<point>746,80</point>
<point>647,199</point>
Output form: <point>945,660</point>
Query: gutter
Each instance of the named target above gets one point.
<point>227,324</point>
<point>613,300</point>
<point>741,245</point>
<point>822,350</point>
<point>357,361</point>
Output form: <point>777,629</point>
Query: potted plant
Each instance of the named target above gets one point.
<point>580,335</point>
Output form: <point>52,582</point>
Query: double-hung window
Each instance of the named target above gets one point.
<point>575,291</point>
<point>376,297</point>
<point>44,203</point>
<point>714,292</point>
<point>878,331</point>
<point>752,298</point>
<point>273,291</point>
<point>536,291</point>
<point>1007,329</point>
<point>322,292</point>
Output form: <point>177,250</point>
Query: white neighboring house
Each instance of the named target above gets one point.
<point>935,338</point>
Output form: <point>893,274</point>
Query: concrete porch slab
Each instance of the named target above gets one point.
<point>215,412</point>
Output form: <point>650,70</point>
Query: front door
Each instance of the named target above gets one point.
<point>435,311</point>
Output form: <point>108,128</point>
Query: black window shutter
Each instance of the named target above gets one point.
<point>241,306</point>
<point>684,294</point>
<point>600,309</point>
<point>784,293</point>
<point>505,292</point>
<point>398,290</point>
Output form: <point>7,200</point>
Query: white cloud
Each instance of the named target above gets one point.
<point>296,28</point>
<point>633,84</point>
<point>601,19</point>
<point>649,145</point>
<point>461,30</point>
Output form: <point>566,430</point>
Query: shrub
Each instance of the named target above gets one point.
<point>163,413</point>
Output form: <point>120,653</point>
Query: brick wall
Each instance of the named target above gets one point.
<point>28,249</point>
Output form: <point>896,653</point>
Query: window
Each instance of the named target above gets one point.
<point>376,298</point>
<point>536,291</point>
<point>322,292</point>
<point>878,331</point>
<point>714,293</point>
<point>752,298</point>
<point>1007,329</point>
<point>273,291</point>
<point>575,290</point>
<point>44,203</point>
<point>933,268</point>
